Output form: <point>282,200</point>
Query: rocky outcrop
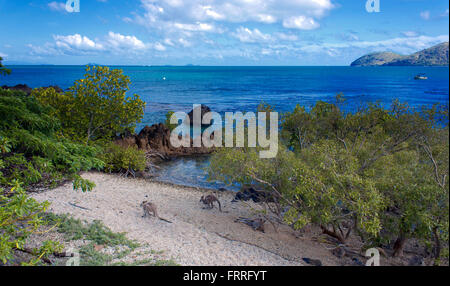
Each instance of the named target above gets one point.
<point>26,89</point>
<point>434,56</point>
<point>155,140</point>
<point>204,109</point>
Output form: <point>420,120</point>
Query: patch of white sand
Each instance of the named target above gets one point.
<point>191,238</point>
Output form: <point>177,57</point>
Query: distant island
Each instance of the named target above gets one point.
<point>434,56</point>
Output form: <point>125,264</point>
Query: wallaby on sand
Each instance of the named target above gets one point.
<point>209,200</point>
<point>256,224</point>
<point>150,209</point>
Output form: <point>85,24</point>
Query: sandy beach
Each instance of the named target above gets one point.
<point>196,236</point>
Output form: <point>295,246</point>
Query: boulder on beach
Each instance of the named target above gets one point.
<point>249,193</point>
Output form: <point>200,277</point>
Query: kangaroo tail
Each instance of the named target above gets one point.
<point>220,207</point>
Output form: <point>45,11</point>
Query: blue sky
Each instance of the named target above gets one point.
<point>216,32</point>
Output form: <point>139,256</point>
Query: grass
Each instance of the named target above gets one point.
<point>97,234</point>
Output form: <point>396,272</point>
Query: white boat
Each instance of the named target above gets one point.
<point>420,76</point>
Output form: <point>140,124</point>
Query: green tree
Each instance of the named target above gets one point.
<point>378,171</point>
<point>3,70</point>
<point>96,107</point>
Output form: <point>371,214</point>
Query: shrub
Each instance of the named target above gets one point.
<point>123,160</point>
<point>21,216</point>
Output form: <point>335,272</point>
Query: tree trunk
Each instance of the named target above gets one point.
<point>399,245</point>
<point>437,244</point>
<point>340,236</point>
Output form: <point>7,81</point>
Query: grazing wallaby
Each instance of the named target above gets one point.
<point>209,200</point>
<point>150,209</point>
<point>256,224</point>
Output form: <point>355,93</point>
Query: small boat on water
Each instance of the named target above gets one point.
<point>420,76</point>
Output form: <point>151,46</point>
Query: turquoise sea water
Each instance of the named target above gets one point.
<point>243,88</point>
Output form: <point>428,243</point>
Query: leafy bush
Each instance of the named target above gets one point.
<point>95,107</point>
<point>123,160</point>
<point>20,216</point>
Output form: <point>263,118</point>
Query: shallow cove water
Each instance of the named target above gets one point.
<point>188,171</point>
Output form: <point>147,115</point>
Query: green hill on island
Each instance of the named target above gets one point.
<point>434,56</point>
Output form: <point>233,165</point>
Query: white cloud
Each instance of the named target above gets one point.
<point>184,42</point>
<point>205,27</point>
<point>246,35</point>
<point>81,45</point>
<point>410,34</point>
<point>286,37</point>
<point>57,6</point>
<point>168,42</point>
<point>295,14</point>
<point>76,42</point>
<point>117,41</point>
<point>425,15</point>
<point>159,47</point>
<point>301,22</point>
<point>404,46</point>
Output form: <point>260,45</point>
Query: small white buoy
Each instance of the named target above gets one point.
<point>164,78</point>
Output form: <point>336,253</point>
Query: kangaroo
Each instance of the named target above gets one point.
<point>209,200</point>
<point>150,209</point>
<point>256,224</point>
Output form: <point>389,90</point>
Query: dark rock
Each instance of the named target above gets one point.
<point>339,252</point>
<point>249,193</point>
<point>256,224</point>
<point>204,109</point>
<point>20,87</point>
<point>156,139</point>
<point>313,262</point>
<point>416,261</point>
<point>26,89</point>
<point>357,262</point>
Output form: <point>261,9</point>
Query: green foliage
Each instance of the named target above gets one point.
<point>167,122</point>
<point>97,232</point>
<point>119,159</point>
<point>3,70</point>
<point>381,172</point>
<point>20,216</point>
<point>33,154</point>
<point>95,107</point>
<point>33,150</point>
